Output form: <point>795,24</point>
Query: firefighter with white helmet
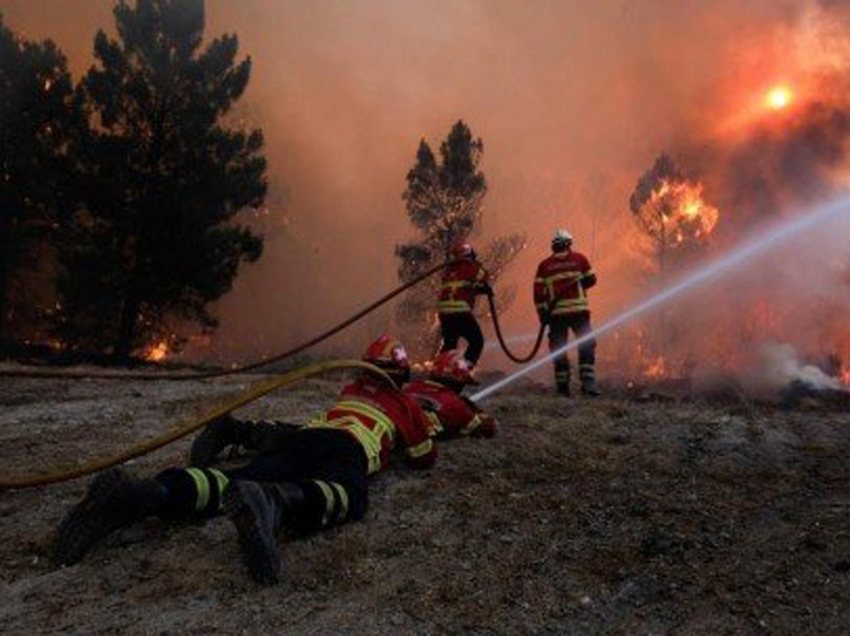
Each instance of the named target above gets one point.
<point>560,287</point>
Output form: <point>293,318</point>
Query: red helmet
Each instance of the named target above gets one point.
<point>451,366</point>
<point>390,355</point>
<point>462,249</point>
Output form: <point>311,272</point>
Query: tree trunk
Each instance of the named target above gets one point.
<point>5,276</point>
<point>123,346</point>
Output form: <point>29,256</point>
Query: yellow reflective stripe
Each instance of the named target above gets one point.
<point>381,419</point>
<point>474,423</point>
<point>540,281</point>
<point>342,497</point>
<point>563,275</point>
<point>436,424</point>
<point>453,304</point>
<point>420,449</point>
<point>222,480</point>
<point>370,442</point>
<point>455,284</point>
<point>328,494</point>
<point>453,307</point>
<point>202,487</point>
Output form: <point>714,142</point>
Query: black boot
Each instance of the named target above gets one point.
<point>114,500</point>
<point>588,387</point>
<point>259,511</point>
<point>216,436</point>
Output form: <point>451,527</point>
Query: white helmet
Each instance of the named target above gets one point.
<point>561,240</point>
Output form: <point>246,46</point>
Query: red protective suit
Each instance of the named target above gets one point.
<point>560,283</point>
<point>451,415</point>
<point>461,282</point>
<point>381,418</point>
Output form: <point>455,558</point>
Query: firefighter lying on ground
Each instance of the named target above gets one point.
<point>461,283</point>
<point>315,479</point>
<point>451,414</point>
<point>561,302</point>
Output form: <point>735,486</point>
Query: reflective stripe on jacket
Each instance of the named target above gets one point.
<point>460,283</point>
<point>560,283</point>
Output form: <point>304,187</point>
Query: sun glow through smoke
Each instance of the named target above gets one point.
<point>779,97</point>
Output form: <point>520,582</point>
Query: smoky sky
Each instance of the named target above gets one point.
<point>573,100</point>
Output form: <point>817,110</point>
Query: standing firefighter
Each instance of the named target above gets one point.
<point>561,301</point>
<point>309,478</point>
<point>462,282</point>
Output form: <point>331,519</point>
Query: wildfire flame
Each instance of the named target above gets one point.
<point>655,368</point>
<point>685,215</point>
<point>157,352</point>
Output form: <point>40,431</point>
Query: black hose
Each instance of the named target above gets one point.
<point>503,344</point>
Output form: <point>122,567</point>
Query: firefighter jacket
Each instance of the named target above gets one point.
<point>461,282</point>
<point>560,284</point>
<point>381,418</point>
<point>451,415</point>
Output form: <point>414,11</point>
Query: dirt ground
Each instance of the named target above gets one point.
<point>619,515</point>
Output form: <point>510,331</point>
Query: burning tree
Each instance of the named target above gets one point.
<point>444,201</point>
<point>670,210</point>
<point>163,180</point>
<point>37,119</point>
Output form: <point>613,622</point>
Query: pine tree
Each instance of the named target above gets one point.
<point>163,181</point>
<point>444,201</point>
<point>37,119</point>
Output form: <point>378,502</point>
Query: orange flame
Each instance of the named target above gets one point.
<point>686,215</point>
<point>157,352</point>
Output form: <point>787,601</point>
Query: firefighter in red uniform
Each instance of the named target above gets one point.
<point>561,301</point>
<point>309,478</point>
<point>462,281</point>
<point>452,415</point>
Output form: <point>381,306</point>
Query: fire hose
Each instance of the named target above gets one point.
<point>183,428</point>
<point>504,345</point>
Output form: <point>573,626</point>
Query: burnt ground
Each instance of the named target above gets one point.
<point>619,516</point>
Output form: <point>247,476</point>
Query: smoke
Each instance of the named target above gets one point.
<point>781,366</point>
<point>572,99</point>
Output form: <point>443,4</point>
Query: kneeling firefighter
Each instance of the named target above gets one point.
<point>308,479</point>
<point>559,296</point>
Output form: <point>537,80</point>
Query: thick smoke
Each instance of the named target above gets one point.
<point>574,100</point>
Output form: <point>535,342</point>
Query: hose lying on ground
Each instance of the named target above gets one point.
<point>188,426</point>
<point>31,373</point>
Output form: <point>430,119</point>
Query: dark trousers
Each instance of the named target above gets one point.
<point>464,325</point>
<point>559,330</point>
<point>328,465</point>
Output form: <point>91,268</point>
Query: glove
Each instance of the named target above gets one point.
<point>543,316</point>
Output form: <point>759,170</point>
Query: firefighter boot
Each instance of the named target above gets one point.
<point>588,386</point>
<point>259,511</point>
<point>216,436</point>
<point>114,500</point>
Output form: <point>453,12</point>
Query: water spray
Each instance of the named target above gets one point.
<point>753,248</point>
